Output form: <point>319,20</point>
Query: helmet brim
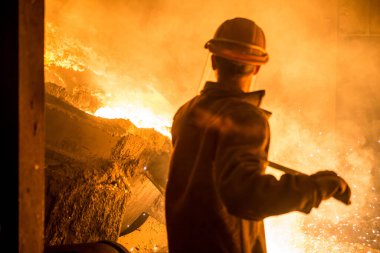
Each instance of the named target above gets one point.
<point>238,52</point>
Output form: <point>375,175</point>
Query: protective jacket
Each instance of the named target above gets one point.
<point>217,193</point>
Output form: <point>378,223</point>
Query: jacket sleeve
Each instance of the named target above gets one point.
<point>240,162</point>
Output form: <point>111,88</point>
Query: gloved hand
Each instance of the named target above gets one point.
<point>331,185</point>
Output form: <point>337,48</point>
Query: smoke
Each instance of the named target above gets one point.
<point>321,80</point>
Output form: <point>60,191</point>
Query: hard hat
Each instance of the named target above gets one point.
<point>239,40</point>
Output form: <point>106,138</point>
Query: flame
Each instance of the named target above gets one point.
<point>65,53</point>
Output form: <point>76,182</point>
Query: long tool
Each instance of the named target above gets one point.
<point>284,169</point>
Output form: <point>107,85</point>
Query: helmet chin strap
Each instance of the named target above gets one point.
<point>206,72</point>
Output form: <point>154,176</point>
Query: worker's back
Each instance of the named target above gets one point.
<point>197,219</point>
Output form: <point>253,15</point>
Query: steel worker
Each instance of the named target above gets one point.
<point>217,193</point>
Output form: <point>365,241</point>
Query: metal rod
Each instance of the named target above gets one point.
<point>284,169</point>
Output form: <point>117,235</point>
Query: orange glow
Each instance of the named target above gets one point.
<point>333,227</point>
<point>289,233</point>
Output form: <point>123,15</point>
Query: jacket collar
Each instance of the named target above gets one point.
<point>214,89</point>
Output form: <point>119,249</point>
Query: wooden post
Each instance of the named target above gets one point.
<point>31,126</point>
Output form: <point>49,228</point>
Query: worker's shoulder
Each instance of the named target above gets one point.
<point>240,108</point>
<point>236,112</point>
<point>242,118</point>
<point>186,106</point>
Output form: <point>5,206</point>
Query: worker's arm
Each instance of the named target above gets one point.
<point>240,162</point>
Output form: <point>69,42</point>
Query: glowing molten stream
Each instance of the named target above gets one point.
<point>139,116</point>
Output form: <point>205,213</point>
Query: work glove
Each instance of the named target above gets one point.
<point>332,185</point>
